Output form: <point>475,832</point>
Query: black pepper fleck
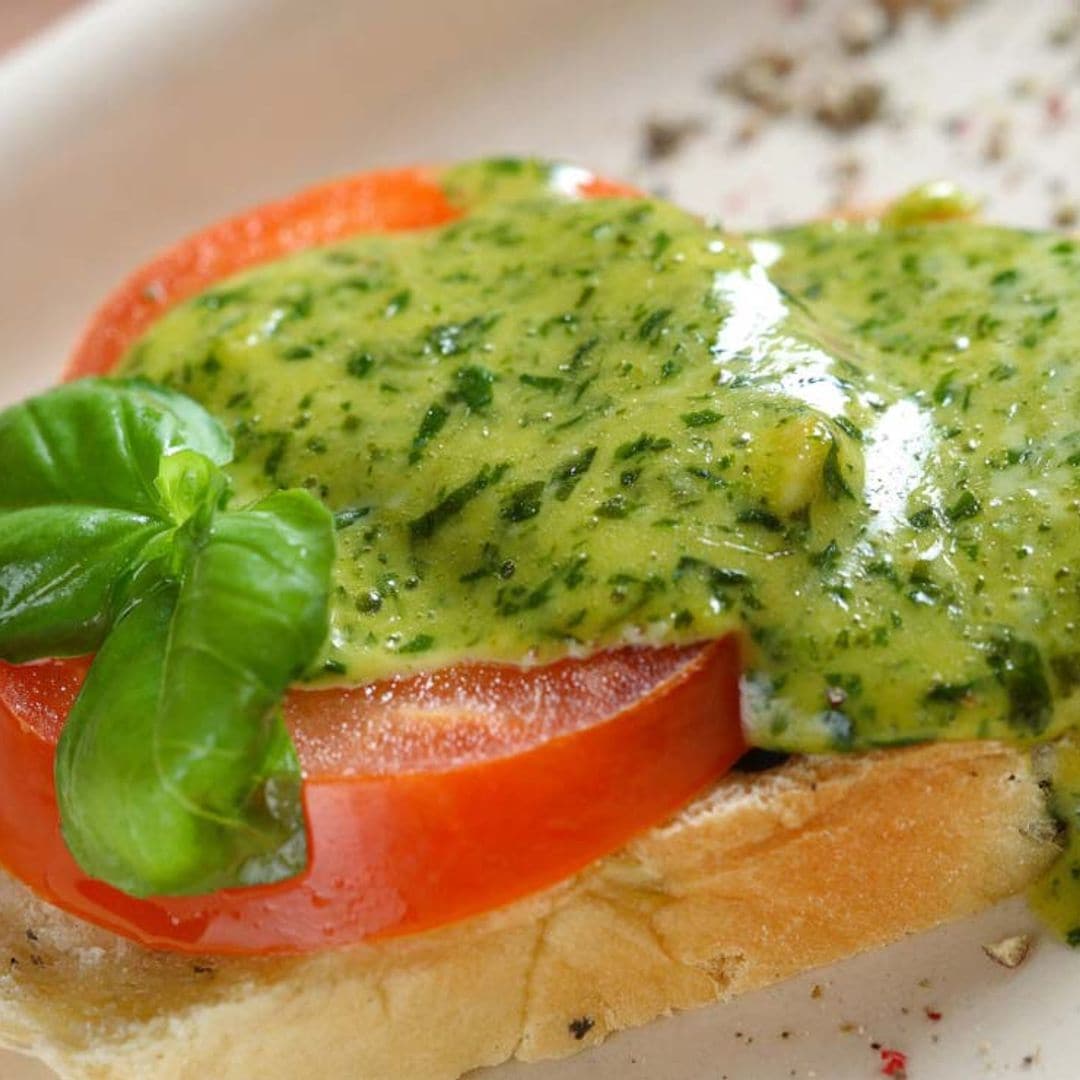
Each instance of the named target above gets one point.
<point>581,1027</point>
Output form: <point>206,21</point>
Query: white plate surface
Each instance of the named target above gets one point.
<point>134,122</point>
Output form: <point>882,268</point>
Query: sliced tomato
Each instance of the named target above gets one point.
<point>430,798</point>
<point>371,202</point>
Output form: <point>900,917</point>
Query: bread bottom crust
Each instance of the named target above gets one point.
<point>767,876</point>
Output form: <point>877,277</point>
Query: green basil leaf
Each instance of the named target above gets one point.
<point>174,773</point>
<point>62,572</point>
<point>126,821</point>
<point>190,485</point>
<point>100,443</point>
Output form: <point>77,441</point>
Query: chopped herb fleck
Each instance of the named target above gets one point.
<point>449,507</point>
<point>523,502</point>
<point>473,385</point>
<point>966,506</point>
<point>568,473</point>
<point>702,418</point>
<point>550,383</point>
<point>433,422</point>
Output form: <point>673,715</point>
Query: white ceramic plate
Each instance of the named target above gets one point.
<point>134,122</point>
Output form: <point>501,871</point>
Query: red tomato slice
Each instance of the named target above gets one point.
<point>430,798</point>
<point>371,202</point>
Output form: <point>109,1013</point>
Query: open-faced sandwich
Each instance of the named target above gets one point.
<point>454,614</point>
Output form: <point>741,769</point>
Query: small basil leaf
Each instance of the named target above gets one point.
<point>127,822</point>
<point>267,569</point>
<point>104,770</point>
<point>174,773</point>
<point>100,443</point>
<point>62,570</point>
<point>190,485</point>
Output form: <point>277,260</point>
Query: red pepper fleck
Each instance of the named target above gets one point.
<point>957,127</point>
<point>1056,108</point>
<point>933,1014</point>
<point>893,1063</point>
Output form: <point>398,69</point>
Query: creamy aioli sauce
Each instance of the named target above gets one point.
<point>557,425</point>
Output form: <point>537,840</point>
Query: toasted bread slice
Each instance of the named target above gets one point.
<point>768,875</point>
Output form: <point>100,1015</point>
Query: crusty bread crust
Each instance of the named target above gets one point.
<point>767,876</point>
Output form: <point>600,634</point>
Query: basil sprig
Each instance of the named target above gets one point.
<point>175,773</point>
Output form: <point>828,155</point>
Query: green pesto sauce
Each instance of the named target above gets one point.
<point>556,425</point>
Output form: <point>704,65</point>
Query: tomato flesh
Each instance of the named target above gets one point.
<point>500,782</point>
